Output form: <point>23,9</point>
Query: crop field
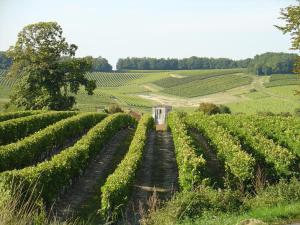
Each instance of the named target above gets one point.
<point>76,161</point>
<point>140,90</point>
<point>209,85</point>
<point>283,79</point>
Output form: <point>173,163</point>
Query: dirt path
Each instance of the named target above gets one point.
<point>99,168</point>
<point>215,169</point>
<point>158,174</point>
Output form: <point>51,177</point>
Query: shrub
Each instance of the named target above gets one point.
<point>297,112</point>
<point>224,109</point>
<point>208,108</point>
<point>113,108</point>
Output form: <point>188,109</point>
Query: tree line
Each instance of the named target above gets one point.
<point>147,63</point>
<point>99,64</point>
<point>272,63</point>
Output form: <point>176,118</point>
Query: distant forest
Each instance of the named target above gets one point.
<point>99,64</point>
<point>180,64</point>
<point>264,64</point>
<point>272,63</point>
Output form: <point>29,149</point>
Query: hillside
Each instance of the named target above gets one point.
<point>185,89</point>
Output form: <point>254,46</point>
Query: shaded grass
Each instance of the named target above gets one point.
<point>280,214</point>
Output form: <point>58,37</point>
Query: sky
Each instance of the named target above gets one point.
<point>115,29</point>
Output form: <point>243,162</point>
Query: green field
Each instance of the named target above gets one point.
<point>283,79</point>
<point>183,89</point>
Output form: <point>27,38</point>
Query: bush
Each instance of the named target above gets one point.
<point>210,108</point>
<point>113,108</point>
<point>224,109</point>
<point>297,112</point>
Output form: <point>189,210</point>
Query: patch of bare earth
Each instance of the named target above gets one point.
<point>156,180</point>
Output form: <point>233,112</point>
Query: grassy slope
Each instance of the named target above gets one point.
<point>280,214</point>
<point>127,92</point>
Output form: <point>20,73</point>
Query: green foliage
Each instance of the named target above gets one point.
<point>191,166</point>
<point>34,148</point>
<point>47,79</point>
<point>208,86</point>
<point>224,109</point>
<point>179,64</point>
<point>113,108</point>
<point>282,192</point>
<point>291,16</point>
<point>15,129</point>
<point>284,131</point>
<point>208,206</point>
<point>100,64</point>
<point>193,204</point>
<point>170,81</point>
<point>272,63</point>
<point>265,150</point>
<point>237,162</point>
<point>118,185</point>
<point>15,115</point>
<point>113,79</point>
<point>50,178</point>
<point>297,111</point>
<point>208,108</point>
<point>5,61</point>
<point>283,79</point>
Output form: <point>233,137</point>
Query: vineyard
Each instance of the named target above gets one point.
<point>283,79</point>
<point>140,90</point>
<point>65,159</point>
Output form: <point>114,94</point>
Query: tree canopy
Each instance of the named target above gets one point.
<point>49,74</point>
<point>291,17</point>
<point>193,62</point>
<point>5,61</point>
<point>100,64</point>
<point>272,63</point>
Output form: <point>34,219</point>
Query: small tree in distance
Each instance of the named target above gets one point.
<point>49,73</point>
<point>210,108</point>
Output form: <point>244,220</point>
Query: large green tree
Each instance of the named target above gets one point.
<point>49,74</point>
<point>291,17</point>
